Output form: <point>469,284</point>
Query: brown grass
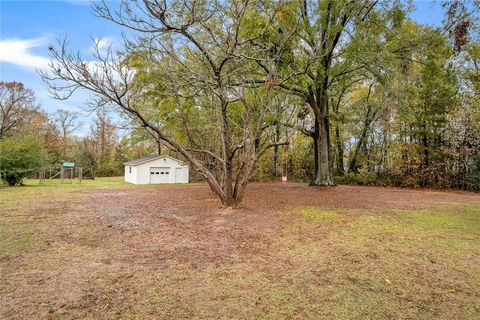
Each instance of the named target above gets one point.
<point>110,251</point>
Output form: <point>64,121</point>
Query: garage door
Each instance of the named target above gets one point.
<point>159,175</point>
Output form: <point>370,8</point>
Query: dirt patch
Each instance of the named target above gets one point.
<point>136,252</point>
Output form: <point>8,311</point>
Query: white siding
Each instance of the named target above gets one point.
<point>141,173</point>
<point>131,177</point>
<point>183,178</point>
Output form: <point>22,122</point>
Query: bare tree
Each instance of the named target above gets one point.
<point>67,122</point>
<point>195,48</point>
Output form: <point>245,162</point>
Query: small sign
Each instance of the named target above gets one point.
<point>69,164</point>
<point>284,179</point>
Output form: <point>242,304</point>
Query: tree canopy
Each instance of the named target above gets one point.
<point>378,97</point>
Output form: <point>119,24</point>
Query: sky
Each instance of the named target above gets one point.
<point>28,27</point>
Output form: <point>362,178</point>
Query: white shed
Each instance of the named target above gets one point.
<point>155,170</point>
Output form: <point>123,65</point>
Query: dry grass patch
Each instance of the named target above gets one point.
<point>293,252</point>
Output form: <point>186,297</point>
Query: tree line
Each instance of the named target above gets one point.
<point>32,140</point>
<point>325,91</point>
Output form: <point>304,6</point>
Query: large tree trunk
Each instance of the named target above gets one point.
<point>323,172</point>
<point>323,169</point>
<point>227,169</point>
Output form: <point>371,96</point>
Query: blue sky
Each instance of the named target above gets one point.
<point>28,27</point>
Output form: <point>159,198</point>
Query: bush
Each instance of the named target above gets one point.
<point>20,157</point>
<point>363,177</point>
<point>474,177</point>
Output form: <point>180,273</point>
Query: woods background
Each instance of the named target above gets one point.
<point>324,92</point>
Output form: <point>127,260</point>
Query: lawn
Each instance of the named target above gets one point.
<point>104,249</point>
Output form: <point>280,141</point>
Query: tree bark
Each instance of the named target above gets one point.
<point>323,170</point>
<point>323,173</point>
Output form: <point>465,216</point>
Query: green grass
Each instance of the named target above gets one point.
<point>22,231</point>
<point>107,182</point>
<point>319,216</point>
<point>34,193</point>
<point>15,239</point>
<point>407,264</point>
<point>341,265</point>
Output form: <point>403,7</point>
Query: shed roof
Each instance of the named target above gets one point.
<point>146,159</point>
<point>69,164</point>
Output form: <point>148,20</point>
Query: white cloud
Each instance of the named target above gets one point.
<point>103,43</point>
<point>18,52</point>
<point>79,2</point>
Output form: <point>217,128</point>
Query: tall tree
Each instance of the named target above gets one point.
<point>197,49</point>
<point>67,123</point>
<point>333,39</point>
<point>104,135</point>
<point>17,105</point>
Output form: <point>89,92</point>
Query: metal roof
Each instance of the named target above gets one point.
<point>69,164</point>
<point>145,159</point>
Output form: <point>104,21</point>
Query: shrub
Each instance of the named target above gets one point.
<point>362,177</point>
<point>474,177</point>
<point>20,157</point>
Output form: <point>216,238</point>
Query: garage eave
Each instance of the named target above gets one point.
<point>146,159</point>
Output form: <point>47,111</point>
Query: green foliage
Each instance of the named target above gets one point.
<point>398,100</point>
<point>361,178</point>
<point>295,161</point>
<point>20,157</point>
<point>417,123</point>
<point>473,177</point>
